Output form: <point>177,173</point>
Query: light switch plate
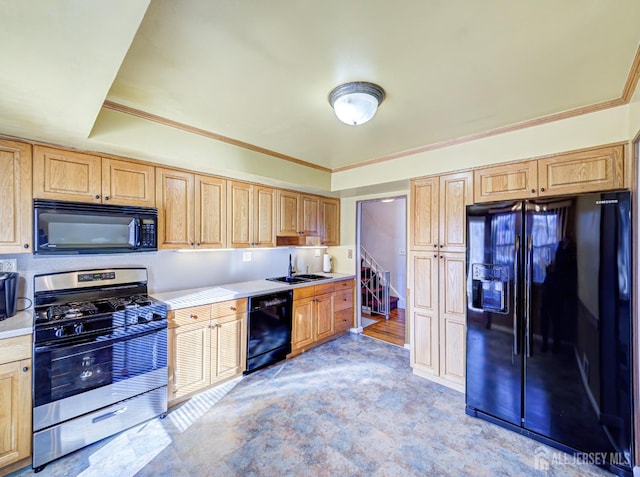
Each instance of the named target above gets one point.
<point>8,265</point>
<point>246,256</point>
<point>317,252</point>
<point>349,253</point>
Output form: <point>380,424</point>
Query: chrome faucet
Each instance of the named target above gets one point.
<point>290,270</point>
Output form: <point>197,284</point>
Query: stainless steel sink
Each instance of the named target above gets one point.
<point>311,276</point>
<point>302,278</point>
<point>290,280</point>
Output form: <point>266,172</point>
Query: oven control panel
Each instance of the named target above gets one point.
<point>96,277</point>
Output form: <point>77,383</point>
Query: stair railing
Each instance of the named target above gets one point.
<point>374,285</point>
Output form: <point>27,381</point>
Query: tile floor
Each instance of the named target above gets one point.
<point>351,407</point>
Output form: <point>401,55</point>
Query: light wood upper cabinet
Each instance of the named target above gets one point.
<point>264,216</point>
<point>68,175</point>
<point>507,182</point>
<point>456,192</point>
<point>210,212</point>
<point>438,206</point>
<point>15,399</point>
<point>15,197</point>
<point>251,215</point>
<point>424,213</point>
<point>298,214</point>
<point>128,183</point>
<point>329,222</point>
<point>175,198</point>
<point>192,210</point>
<point>309,216</point>
<point>588,170</point>
<point>583,171</point>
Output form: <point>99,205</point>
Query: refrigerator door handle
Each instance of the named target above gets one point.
<point>516,331</point>
<point>527,297</point>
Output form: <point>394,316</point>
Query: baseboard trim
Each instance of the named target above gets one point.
<point>439,380</point>
<point>407,346</point>
<point>356,331</point>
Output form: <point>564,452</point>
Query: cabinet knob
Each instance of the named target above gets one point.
<point>533,191</point>
<point>541,189</point>
<point>435,245</point>
<point>195,317</point>
<point>191,243</point>
<point>233,308</point>
<point>97,196</point>
<point>26,245</point>
<point>441,245</point>
<point>106,197</point>
<point>25,369</point>
<point>198,244</point>
<point>441,256</point>
<point>435,256</point>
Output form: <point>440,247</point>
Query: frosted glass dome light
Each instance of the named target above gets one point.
<point>356,103</point>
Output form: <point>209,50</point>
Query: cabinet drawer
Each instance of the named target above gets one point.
<point>324,288</point>
<point>343,320</point>
<point>185,316</point>
<point>303,292</point>
<point>229,307</point>
<point>343,300</point>
<point>15,348</point>
<point>343,285</point>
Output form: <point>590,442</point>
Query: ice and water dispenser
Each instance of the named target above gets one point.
<point>490,287</point>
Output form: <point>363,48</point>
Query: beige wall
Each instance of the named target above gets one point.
<point>602,127</point>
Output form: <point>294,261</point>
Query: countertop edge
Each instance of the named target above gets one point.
<point>19,324</point>
<point>178,299</point>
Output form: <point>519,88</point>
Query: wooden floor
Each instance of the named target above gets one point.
<point>391,330</point>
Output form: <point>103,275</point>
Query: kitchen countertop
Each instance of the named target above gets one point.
<point>230,291</point>
<point>19,324</point>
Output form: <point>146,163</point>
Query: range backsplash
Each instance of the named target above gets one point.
<point>170,270</point>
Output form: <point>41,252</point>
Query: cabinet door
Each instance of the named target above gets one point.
<point>239,214</point>
<point>174,193</point>
<point>456,192</point>
<point>330,222</point>
<point>288,213</point>
<point>584,171</point>
<point>302,323</point>
<point>264,218</point>
<point>227,352</point>
<point>15,197</point>
<point>128,183</point>
<point>191,346</point>
<point>210,202</point>
<point>511,181</point>
<point>424,214</point>
<point>66,175</point>
<point>423,277</point>
<point>324,316</point>
<point>452,298</point>
<point>309,217</point>
<point>15,411</point>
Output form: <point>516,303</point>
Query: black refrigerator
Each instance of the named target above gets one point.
<point>549,328</point>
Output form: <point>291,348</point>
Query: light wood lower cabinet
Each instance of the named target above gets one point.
<point>15,399</point>
<point>321,313</point>
<point>437,320</point>
<point>207,345</point>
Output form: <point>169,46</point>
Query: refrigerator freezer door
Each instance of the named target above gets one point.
<point>577,387</point>
<point>494,361</point>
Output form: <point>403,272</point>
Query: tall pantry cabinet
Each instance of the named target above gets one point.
<point>437,276</point>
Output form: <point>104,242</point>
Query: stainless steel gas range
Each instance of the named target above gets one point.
<point>100,358</point>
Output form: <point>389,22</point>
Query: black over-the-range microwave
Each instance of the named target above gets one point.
<point>74,227</point>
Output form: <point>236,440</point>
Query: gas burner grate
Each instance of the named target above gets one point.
<point>71,310</point>
<point>128,302</point>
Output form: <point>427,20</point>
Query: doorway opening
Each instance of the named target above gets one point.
<point>381,236</point>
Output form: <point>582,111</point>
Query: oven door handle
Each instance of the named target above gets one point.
<point>105,342</point>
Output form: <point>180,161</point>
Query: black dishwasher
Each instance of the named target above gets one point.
<point>269,329</point>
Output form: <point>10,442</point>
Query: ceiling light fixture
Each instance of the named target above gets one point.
<point>356,103</point>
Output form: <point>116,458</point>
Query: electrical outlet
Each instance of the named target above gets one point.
<point>246,256</point>
<point>349,253</point>
<point>317,252</point>
<point>403,251</point>
<point>8,265</point>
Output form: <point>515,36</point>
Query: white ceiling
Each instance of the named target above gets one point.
<point>260,72</point>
